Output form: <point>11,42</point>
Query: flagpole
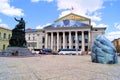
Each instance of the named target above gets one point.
<point>72,8</point>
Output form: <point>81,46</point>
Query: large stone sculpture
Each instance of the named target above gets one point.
<point>18,35</point>
<point>17,43</point>
<point>103,51</point>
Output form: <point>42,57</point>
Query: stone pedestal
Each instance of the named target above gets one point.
<point>16,51</point>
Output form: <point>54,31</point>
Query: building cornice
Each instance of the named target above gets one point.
<point>5,29</point>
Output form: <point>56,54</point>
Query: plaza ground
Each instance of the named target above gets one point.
<point>56,67</point>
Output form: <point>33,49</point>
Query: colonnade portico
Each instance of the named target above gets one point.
<point>67,39</point>
<point>68,32</point>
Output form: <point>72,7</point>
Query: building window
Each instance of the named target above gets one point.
<point>0,34</point>
<point>80,38</point>
<point>9,36</point>
<point>28,44</point>
<point>61,47</point>
<point>34,45</point>
<point>67,39</point>
<point>86,48</point>
<point>37,34</point>
<point>73,39</point>
<point>73,47</point>
<point>28,38</point>
<point>4,47</point>
<point>61,39</point>
<point>67,47</point>
<point>43,47</point>
<point>43,40</point>
<point>96,30</point>
<point>79,47</point>
<point>43,31</point>
<point>4,35</point>
<point>86,38</point>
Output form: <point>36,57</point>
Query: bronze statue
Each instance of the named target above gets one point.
<point>21,24</point>
<point>18,35</point>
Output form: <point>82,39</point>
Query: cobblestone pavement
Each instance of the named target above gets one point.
<point>55,67</point>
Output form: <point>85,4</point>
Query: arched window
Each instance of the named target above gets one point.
<point>4,35</point>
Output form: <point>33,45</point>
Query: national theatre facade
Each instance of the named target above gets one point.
<point>70,31</point>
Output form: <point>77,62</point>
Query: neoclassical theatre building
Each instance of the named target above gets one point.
<point>70,31</point>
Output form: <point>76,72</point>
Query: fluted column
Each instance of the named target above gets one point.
<point>76,40</point>
<point>70,40</point>
<point>83,41</point>
<point>57,41</point>
<point>89,40</point>
<point>46,40</point>
<point>52,40</point>
<point>63,40</point>
<point>49,41</point>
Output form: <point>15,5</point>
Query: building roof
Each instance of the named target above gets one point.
<point>73,16</point>
<point>67,23</point>
<point>31,30</point>
<point>5,28</point>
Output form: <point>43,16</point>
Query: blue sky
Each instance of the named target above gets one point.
<point>38,13</point>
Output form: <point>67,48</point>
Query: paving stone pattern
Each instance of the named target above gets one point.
<point>56,67</point>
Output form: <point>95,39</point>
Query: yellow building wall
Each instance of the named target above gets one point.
<point>5,35</point>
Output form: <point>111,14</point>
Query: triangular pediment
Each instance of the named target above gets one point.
<point>73,16</point>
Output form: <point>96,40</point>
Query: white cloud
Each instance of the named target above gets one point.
<point>3,24</point>
<point>88,8</point>
<point>113,35</point>
<point>64,13</point>
<point>41,0</point>
<point>117,25</point>
<point>98,25</point>
<point>42,26</point>
<point>96,16</point>
<point>35,0</point>
<point>0,20</point>
<point>6,9</point>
